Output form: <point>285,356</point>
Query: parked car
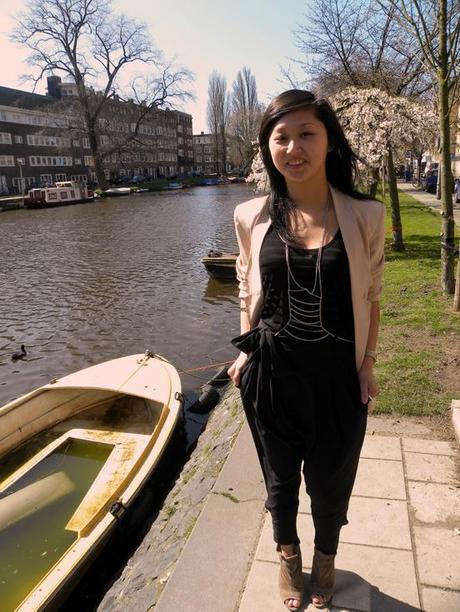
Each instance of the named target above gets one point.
<point>430,181</point>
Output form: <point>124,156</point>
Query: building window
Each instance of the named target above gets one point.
<point>89,161</point>
<point>47,141</point>
<point>27,181</point>
<point>39,160</point>
<point>103,139</point>
<point>60,177</point>
<point>5,138</point>
<point>18,139</point>
<point>86,143</point>
<point>46,178</point>
<point>78,161</point>
<point>6,160</point>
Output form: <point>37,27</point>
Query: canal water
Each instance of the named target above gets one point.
<point>90,282</point>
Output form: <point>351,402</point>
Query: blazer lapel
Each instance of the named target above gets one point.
<point>350,228</point>
<point>261,225</point>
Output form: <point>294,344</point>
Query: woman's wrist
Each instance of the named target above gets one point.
<point>371,354</point>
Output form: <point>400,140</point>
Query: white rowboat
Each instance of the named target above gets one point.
<point>102,431</point>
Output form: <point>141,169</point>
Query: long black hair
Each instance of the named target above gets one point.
<point>340,160</point>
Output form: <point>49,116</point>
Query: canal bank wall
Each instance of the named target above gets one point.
<point>148,570</point>
<point>11,203</point>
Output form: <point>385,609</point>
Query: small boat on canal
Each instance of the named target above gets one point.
<point>172,186</point>
<point>74,454</point>
<point>61,194</point>
<point>220,265</point>
<point>115,192</point>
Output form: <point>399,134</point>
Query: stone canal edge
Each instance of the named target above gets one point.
<point>220,484</point>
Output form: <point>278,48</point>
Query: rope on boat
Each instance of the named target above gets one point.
<point>208,367</point>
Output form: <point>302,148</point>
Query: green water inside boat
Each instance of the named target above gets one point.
<point>34,511</point>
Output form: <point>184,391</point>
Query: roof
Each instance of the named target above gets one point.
<point>22,99</point>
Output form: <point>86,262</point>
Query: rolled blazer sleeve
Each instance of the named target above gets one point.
<point>242,261</point>
<point>377,258</point>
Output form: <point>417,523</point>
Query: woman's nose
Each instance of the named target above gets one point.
<point>292,145</point>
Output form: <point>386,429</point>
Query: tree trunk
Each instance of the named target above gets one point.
<point>98,166</point>
<point>224,151</point>
<point>374,183</point>
<point>457,289</point>
<point>398,243</point>
<point>448,226</point>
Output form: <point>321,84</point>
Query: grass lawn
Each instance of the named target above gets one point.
<point>419,348</point>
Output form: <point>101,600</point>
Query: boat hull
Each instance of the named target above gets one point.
<point>221,266</point>
<point>42,204</point>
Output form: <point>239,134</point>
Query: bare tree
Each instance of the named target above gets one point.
<point>434,27</point>
<point>246,115</point>
<point>218,112</point>
<point>92,46</point>
<point>357,43</point>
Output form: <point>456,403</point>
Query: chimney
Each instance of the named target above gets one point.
<point>54,87</point>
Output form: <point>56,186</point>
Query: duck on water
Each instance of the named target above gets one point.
<point>19,354</point>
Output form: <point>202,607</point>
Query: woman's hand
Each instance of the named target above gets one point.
<point>367,382</point>
<point>234,371</point>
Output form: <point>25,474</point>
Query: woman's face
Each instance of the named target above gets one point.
<point>298,146</point>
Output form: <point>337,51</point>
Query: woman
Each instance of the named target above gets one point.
<point>309,271</point>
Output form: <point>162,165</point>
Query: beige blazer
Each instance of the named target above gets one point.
<point>362,223</point>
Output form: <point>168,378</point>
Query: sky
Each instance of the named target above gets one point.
<point>203,35</point>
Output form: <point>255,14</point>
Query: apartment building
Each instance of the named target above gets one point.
<point>39,143</point>
<point>208,160</point>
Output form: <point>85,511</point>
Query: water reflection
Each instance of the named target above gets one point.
<point>219,291</point>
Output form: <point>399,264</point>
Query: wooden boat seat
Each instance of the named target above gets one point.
<point>130,449</point>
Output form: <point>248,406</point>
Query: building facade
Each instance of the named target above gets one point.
<point>209,156</point>
<point>40,145</point>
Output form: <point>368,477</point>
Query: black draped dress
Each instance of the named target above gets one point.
<point>300,388</point>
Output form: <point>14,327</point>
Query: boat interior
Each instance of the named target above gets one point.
<point>71,458</point>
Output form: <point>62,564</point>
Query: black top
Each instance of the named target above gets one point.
<point>336,304</point>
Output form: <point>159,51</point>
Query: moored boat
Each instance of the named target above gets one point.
<point>74,454</point>
<point>173,185</point>
<point>61,194</point>
<point>220,265</point>
<point>114,192</point>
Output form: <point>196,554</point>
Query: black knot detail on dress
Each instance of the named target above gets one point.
<point>260,377</point>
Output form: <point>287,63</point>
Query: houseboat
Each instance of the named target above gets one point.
<point>61,194</point>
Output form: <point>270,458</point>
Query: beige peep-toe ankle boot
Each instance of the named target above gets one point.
<point>322,579</point>
<point>290,582</point>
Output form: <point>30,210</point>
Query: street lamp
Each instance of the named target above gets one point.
<point>21,162</point>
